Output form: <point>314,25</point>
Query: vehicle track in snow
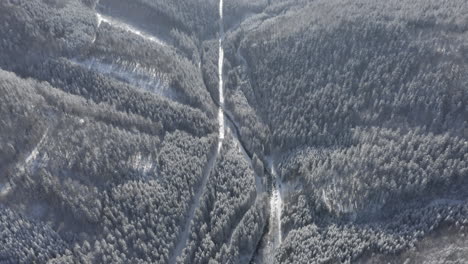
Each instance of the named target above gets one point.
<point>32,157</point>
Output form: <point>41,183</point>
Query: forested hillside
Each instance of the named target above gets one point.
<point>298,131</point>
<point>364,105</point>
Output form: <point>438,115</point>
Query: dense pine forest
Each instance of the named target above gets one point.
<point>212,131</point>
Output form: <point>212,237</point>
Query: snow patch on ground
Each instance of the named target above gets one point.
<point>5,189</point>
<point>221,121</point>
<point>272,240</point>
<point>31,159</point>
<point>38,210</point>
<point>127,27</point>
<point>276,203</point>
<point>140,164</point>
<point>33,155</point>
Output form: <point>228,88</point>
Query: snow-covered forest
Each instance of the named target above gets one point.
<point>233,131</point>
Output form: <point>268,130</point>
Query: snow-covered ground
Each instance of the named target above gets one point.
<point>127,27</point>
<point>230,128</point>
<point>32,157</point>
<point>142,164</point>
<point>132,73</point>
<point>212,161</point>
<point>276,203</point>
<point>5,189</point>
<point>99,19</point>
<point>220,76</point>
<point>181,244</point>
<point>272,240</point>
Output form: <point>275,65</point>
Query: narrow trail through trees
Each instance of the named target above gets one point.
<point>127,27</point>
<point>181,244</point>
<point>28,164</point>
<point>31,158</point>
<point>221,135</point>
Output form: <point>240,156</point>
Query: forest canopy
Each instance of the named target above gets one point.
<point>203,131</point>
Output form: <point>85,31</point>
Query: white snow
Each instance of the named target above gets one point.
<point>196,203</point>
<point>31,158</point>
<point>273,238</point>
<point>33,155</point>
<point>99,19</point>
<point>5,189</point>
<point>27,164</point>
<point>220,76</point>
<point>212,161</point>
<point>445,201</point>
<point>133,73</point>
<point>125,26</point>
<point>238,145</point>
<point>143,165</point>
<point>276,204</point>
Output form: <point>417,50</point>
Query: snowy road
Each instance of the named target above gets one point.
<point>181,244</point>
<point>134,74</point>
<point>211,163</point>
<point>276,205</point>
<point>127,27</point>
<point>220,76</point>
<point>32,157</point>
<point>273,239</point>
